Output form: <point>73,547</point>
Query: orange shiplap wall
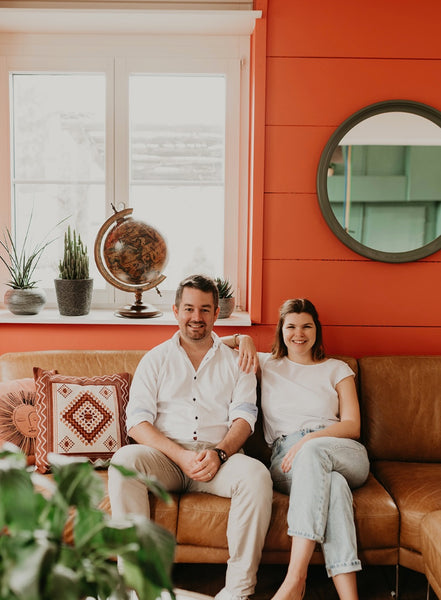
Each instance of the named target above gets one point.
<point>22,337</point>
<point>325,61</point>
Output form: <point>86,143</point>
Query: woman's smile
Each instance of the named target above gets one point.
<point>299,335</point>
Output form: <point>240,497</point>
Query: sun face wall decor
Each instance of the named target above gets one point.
<point>18,417</point>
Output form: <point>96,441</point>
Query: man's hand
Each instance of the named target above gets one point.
<point>204,465</point>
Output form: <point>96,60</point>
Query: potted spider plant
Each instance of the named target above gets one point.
<point>38,562</point>
<point>74,287</point>
<point>226,298</point>
<point>24,297</point>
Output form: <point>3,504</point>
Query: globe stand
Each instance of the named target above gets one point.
<point>151,255</point>
<point>138,310</point>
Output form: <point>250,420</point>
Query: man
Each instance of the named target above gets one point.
<point>190,411</point>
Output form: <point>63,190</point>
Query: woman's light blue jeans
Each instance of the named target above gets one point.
<point>320,500</point>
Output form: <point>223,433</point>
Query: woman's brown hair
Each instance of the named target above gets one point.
<point>298,305</point>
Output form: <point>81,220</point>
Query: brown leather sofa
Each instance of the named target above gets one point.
<point>431,540</point>
<point>400,399</point>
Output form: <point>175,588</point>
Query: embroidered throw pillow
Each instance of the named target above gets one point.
<point>80,416</point>
<point>18,417</point>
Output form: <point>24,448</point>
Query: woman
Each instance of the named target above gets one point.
<point>311,421</point>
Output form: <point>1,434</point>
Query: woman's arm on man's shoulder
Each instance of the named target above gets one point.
<point>244,344</point>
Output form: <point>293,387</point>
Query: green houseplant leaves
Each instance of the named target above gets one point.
<point>22,262</point>
<point>37,564</point>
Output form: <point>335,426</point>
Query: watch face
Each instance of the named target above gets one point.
<point>222,455</point>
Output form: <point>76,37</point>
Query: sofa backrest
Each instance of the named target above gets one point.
<point>400,396</point>
<point>87,363</point>
<point>401,407</point>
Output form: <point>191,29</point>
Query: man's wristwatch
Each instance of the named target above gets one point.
<point>223,456</point>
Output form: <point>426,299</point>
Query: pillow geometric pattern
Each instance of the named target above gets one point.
<point>80,416</point>
<point>18,418</point>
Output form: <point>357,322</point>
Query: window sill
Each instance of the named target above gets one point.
<point>50,316</point>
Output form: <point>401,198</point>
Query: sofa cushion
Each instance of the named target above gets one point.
<point>377,519</point>
<point>18,417</point>
<point>80,416</point>
<point>416,489</point>
<point>203,521</point>
<point>375,513</point>
<point>400,399</point>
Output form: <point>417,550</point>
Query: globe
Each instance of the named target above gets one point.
<point>135,252</point>
<point>131,254</point>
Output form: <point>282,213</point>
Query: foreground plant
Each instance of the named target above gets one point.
<point>36,563</point>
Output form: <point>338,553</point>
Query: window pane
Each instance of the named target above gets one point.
<point>177,165</point>
<point>58,166</point>
<point>191,220</point>
<point>49,204</point>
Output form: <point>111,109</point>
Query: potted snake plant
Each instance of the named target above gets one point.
<point>74,287</point>
<point>21,261</point>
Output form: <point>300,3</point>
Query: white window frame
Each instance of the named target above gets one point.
<point>116,55</point>
<point>234,254</point>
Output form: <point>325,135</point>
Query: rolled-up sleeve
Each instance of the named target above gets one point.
<point>243,404</point>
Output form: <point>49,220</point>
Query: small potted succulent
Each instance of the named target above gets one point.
<point>74,286</point>
<point>226,298</point>
<point>25,297</point>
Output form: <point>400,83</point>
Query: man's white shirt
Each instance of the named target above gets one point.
<point>190,405</point>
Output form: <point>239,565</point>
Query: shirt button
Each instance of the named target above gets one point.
<point>194,377</point>
<point>194,399</point>
<point>195,437</point>
<point>196,418</point>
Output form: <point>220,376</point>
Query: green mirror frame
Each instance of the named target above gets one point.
<point>408,106</point>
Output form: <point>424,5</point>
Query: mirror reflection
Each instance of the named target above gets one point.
<point>383,181</point>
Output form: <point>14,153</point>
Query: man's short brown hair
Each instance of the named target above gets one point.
<point>198,282</point>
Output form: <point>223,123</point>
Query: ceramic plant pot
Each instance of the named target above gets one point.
<point>226,306</point>
<point>25,301</point>
<point>74,296</point>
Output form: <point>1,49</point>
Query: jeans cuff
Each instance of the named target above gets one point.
<point>344,567</point>
<point>305,534</point>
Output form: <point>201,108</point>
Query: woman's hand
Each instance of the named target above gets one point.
<point>286,463</point>
<point>248,359</point>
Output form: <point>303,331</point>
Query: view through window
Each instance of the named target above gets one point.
<point>177,133</point>
<point>177,150</point>
<point>58,161</point>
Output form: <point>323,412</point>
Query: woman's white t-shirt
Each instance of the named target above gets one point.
<point>296,396</point>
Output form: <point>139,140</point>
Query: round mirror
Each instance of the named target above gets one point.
<point>379,181</point>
